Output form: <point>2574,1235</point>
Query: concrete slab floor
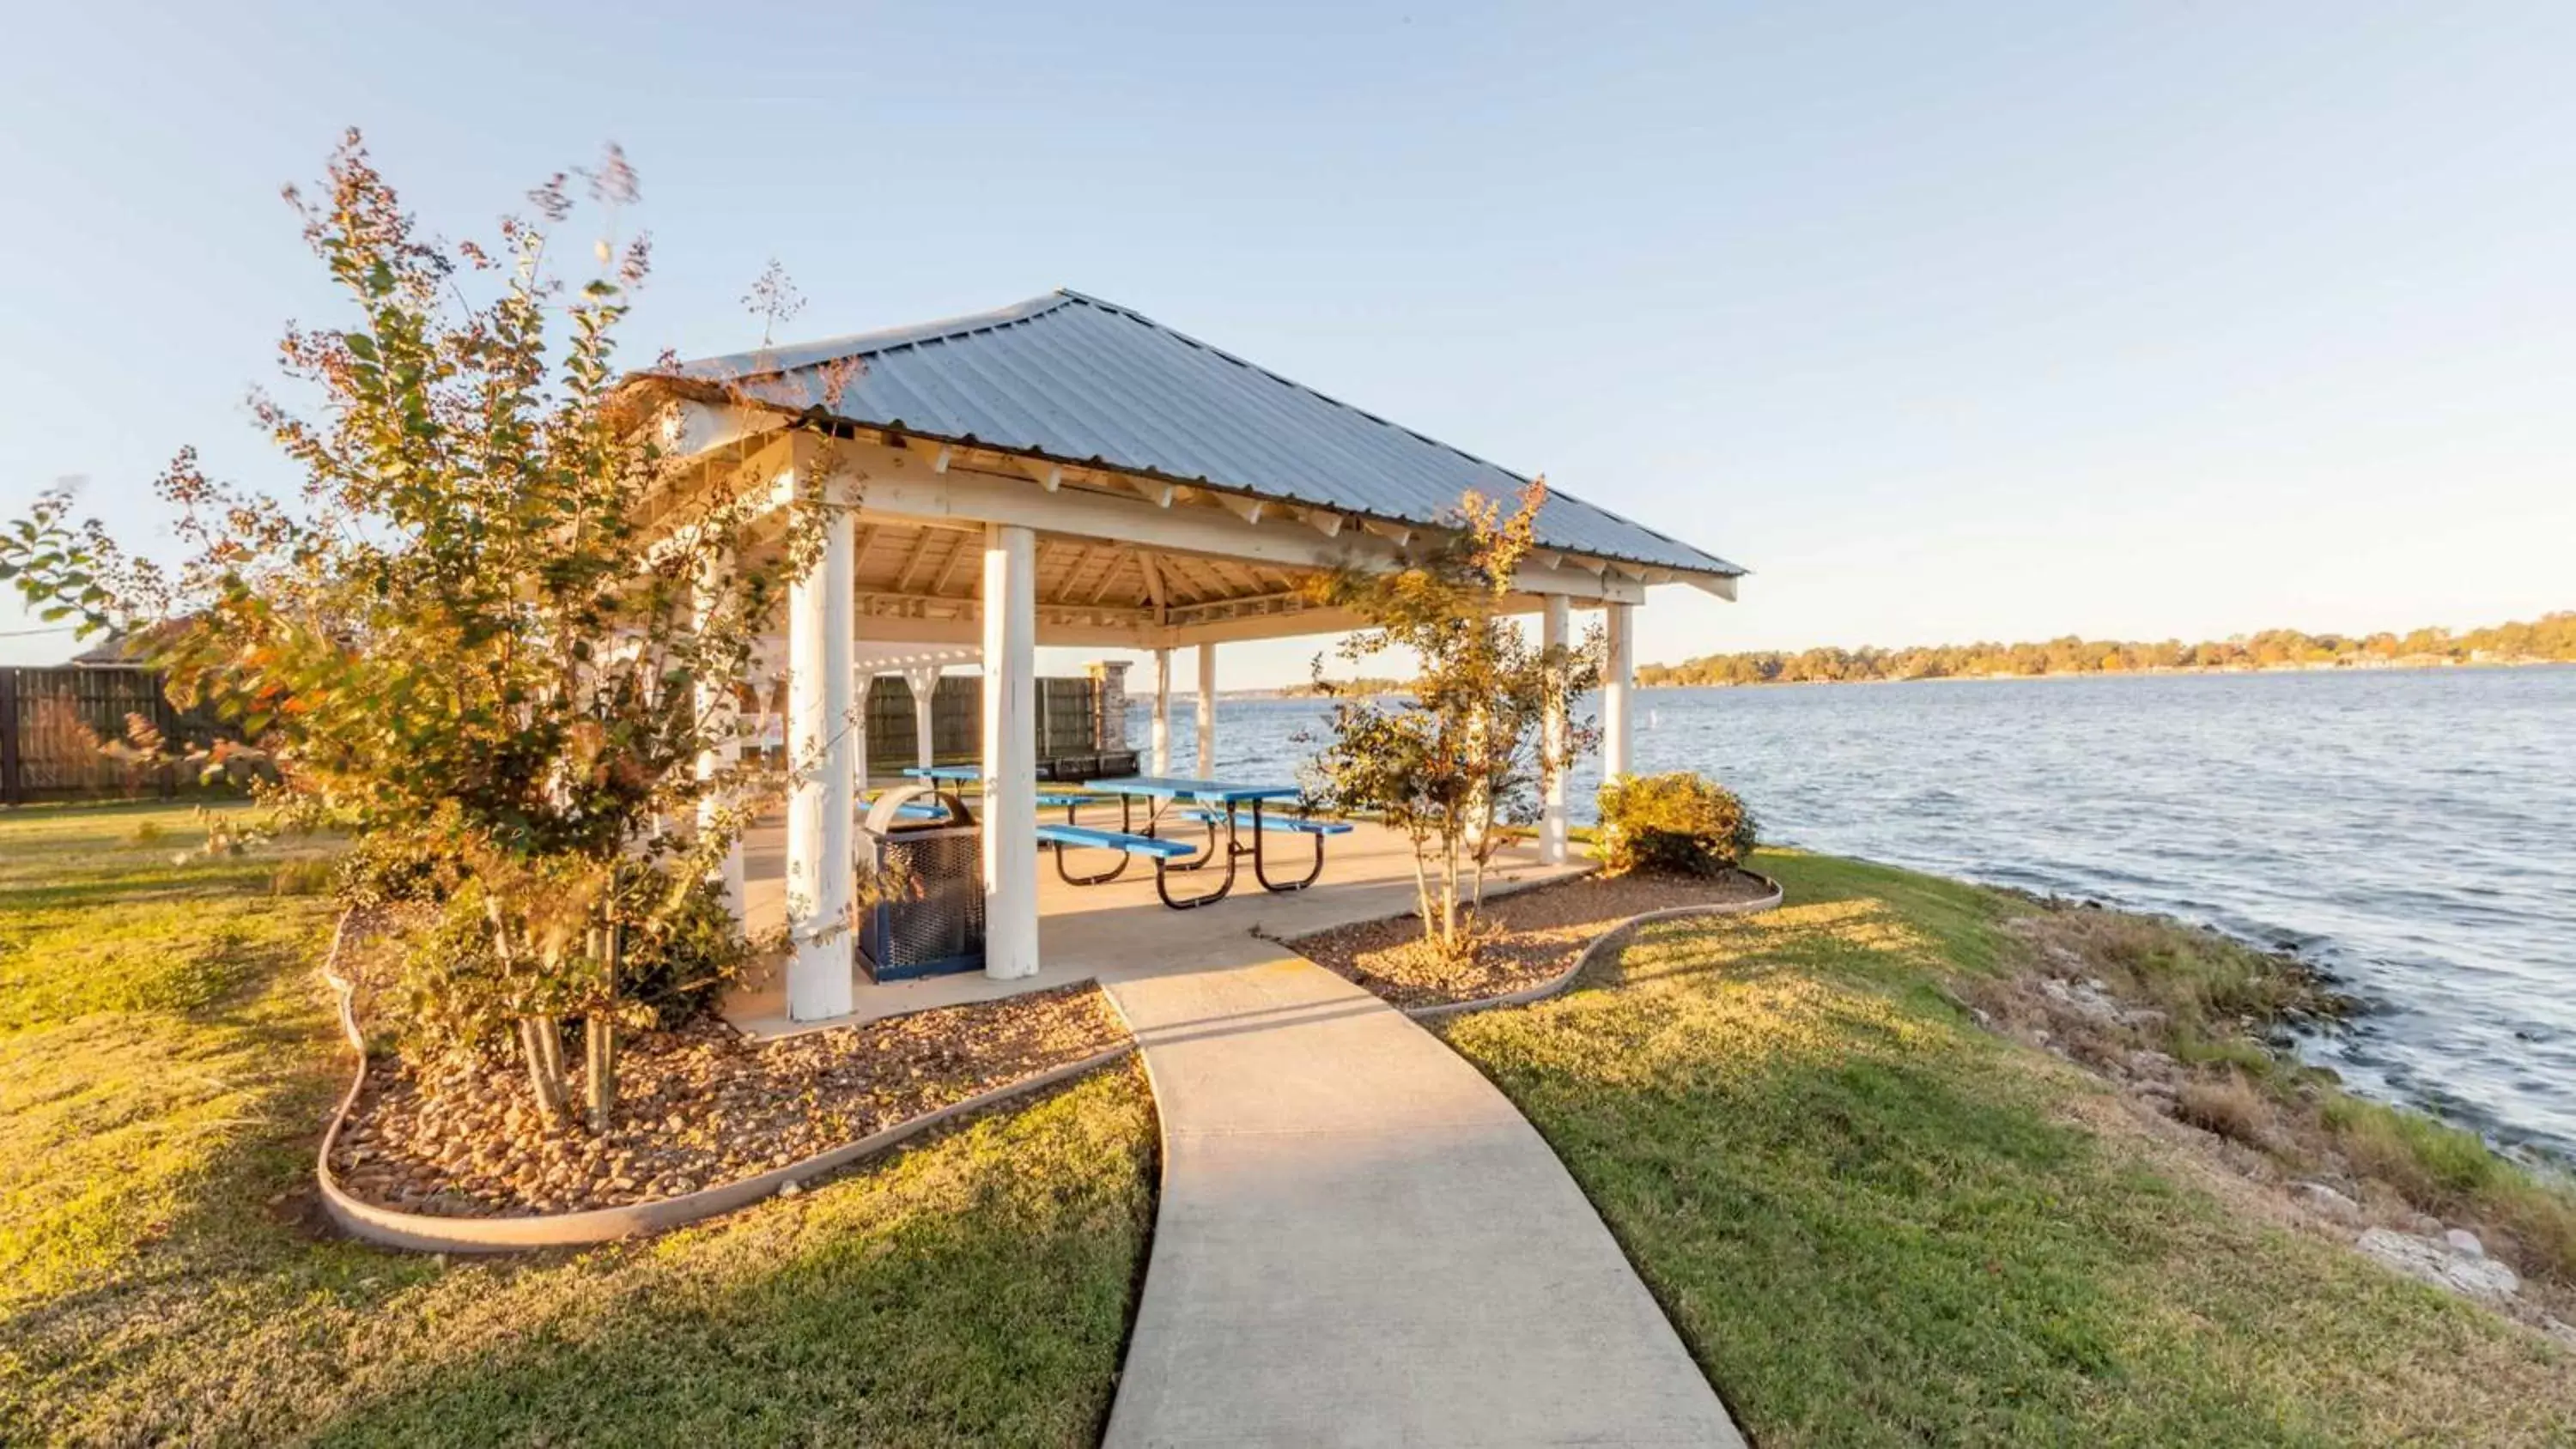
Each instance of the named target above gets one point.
<point>1113,931</point>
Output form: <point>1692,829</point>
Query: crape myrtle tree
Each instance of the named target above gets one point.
<point>1465,750</point>
<point>458,638</point>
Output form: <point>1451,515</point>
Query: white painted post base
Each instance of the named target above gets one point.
<point>1618,683</point>
<point>1553,627</point>
<point>1207,711</point>
<point>1162,761</point>
<point>923,681</point>
<point>1010,753</point>
<point>821,747</point>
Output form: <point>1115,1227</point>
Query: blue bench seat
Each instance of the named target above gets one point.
<point>1084,837</point>
<point>1295,824</point>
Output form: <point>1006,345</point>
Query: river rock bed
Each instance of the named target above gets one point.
<point>697,1107</point>
<point>1535,935</point>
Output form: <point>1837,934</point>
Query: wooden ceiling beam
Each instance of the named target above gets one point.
<point>920,552</point>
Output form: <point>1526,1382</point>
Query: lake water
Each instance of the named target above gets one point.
<point>2412,832</point>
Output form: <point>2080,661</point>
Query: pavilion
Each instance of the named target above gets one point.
<point>1064,471</point>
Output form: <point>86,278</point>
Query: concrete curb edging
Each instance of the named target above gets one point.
<point>420,1232</point>
<point>1617,936</point>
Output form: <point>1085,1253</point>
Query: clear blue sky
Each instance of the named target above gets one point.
<point>1952,322</point>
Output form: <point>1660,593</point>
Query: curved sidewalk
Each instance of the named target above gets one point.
<point>1362,1242</point>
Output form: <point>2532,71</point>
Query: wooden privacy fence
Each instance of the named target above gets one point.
<point>1067,721</point>
<point>52,722</point>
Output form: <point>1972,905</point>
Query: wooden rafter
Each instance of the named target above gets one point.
<point>1108,576</point>
<point>1153,581</point>
<point>920,552</point>
<point>948,569</point>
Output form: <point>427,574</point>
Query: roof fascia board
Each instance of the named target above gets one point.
<point>893,484</point>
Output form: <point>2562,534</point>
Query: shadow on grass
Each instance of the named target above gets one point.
<point>975,1289</point>
<point>155,1285</point>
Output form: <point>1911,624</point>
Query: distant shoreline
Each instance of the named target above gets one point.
<point>2398,666</point>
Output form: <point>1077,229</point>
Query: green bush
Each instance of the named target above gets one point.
<point>383,868</point>
<point>453,993</point>
<point>1683,823</point>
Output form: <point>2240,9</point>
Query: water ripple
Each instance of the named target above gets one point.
<point>2413,832</point>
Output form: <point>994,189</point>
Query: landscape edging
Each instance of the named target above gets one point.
<point>1616,936</point>
<point>421,1232</point>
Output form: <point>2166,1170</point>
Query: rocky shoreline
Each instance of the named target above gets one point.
<point>2216,1071</point>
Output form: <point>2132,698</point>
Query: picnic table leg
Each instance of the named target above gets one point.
<point>1205,855</point>
<point>1164,868</point>
<point>1073,817</point>
<point>1088,880</point>
<point>1263,876</point>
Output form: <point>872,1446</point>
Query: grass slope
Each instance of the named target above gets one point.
<point>165,1063</point>
<point>1876,1223</point>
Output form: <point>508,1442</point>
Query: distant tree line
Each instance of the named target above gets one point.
<point>2552,637</point>
<point>1366,684</point>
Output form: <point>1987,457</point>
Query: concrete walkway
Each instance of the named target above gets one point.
<point>1361,1242</point>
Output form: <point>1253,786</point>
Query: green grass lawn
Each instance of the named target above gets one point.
<point>166,1062</point>
<point>1876,1223</point>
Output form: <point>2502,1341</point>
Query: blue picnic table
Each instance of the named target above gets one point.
<point>1069,800</point>
<point>1219,805</point>
<point>1227,810</point>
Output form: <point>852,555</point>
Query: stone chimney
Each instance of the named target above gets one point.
<point>1108,704</point>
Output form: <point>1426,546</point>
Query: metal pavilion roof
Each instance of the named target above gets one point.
<point>1083,381</point>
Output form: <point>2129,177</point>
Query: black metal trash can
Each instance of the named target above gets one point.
<point>920,886</point>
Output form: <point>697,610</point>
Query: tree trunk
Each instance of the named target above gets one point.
<point>599,1041</point>
<point>1449,896</point>
<point>1484,845</point>
<point>541,1043</point>
<point>1423,888</point>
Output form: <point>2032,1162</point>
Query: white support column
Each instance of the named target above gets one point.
<point>1207,711</point>
<point>923,681</point>
<point>861,681</point>
<point>721,711</point>
<point>1552,728</point>
<point>1010,752</point>
<point>821,747</point>
<point>1618,682</point>
<point>1163,711</point>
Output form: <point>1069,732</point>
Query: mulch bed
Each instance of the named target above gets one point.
<point>697,1107</point>
<point>1536,935</point>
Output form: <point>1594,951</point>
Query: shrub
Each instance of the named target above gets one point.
<point>310,876</point>
<point>389,867</point>
<point>2433,1163</point>
<point>2229,1106</point>
<point>1683,823</point>
<point>455,992</point>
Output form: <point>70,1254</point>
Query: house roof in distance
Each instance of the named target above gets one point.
<point>1082,381</point>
